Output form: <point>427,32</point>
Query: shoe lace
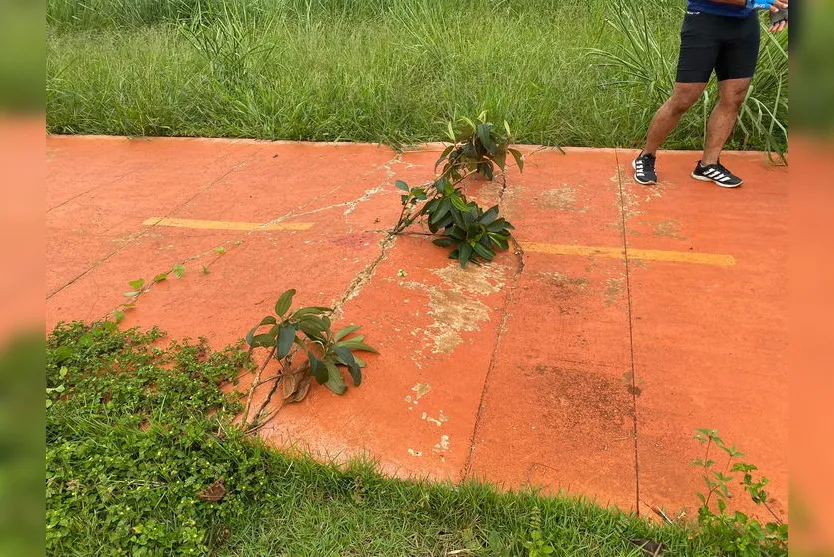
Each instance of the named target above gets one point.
<point>648,162</point>
<point>721,168</point>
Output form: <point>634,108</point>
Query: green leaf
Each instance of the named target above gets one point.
<point>348,359</point>
<point>459,203</point>
<point>268,320</point>
<point>484,252</point>
<point>250,335</point>
<point>500,158</point>
<point>313,327</point>
<point>451,132</point>
<point>345,332</point>
<point>499,241</point>
<point>445,154</point>
<point>443,242</point>
<point>178,270</point>
<point>284,302</point>
<point>133,294</point>
<point>357,345</point>
<point>484,134</point>
<point>137,284</point>
<point>465,254</point>
<point>118,316</point>
<point>401,185</point>
<point>356,374</point>
<point>286,336</point>
<point>344,355</point>
<point>490,216</point>
<point>317,368</point>
<point>206,270</point>
<point>519,158</point>
<point>262,341</point>
<point>302,313</point>
<point>160,277</point>
<point>335,382</point>
<point>442,210</point>
<point>220,249</point>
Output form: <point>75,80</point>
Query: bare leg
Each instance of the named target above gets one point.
<point>731,93</point>
<point>683,96</point>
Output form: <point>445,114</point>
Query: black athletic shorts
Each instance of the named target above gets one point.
<point>728,45</point>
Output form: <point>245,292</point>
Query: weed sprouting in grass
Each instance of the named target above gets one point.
<point>737,534</point>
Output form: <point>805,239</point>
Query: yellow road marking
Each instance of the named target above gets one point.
<point>642,254</point>
<point>225,225</point>
<point>533,247</point>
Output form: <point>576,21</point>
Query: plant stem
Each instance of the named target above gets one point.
<point>255,384</point>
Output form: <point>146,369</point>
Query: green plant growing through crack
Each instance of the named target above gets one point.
<point>472,233</point>
<point>736,533</point>
<point>307,331</point>
<point>140,287</point>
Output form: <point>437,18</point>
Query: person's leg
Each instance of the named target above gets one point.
<point>666,118</point>
<point>696,60</point>
<point>731,94</point>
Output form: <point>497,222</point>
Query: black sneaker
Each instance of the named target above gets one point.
<point>644,169</point>
<point>717,173</point>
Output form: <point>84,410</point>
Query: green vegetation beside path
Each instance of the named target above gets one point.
<point>562,72</point>
<point>139,434</point>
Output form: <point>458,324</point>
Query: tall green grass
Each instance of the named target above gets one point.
<point>358,70</point>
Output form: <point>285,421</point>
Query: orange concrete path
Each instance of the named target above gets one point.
<point>633,316</point>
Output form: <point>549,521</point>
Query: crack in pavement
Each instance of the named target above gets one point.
<point>368,194</point>
<point>624,217</point>
<point>363,277</point>
<point>145,232</point>
<point>235,240</point>
<point>387,243</point>
<point>518,252</point>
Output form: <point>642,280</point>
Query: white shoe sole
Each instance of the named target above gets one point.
<point>705,179</point>
<point>638,180</point>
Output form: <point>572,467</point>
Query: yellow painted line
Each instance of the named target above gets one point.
<point>225,225</point>
<point>551,249</point>
<point>718,259</point>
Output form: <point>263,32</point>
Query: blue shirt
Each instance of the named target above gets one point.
<point>717,8</point>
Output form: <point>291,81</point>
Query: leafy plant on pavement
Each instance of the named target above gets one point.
<point>307,331</point>
<point>735,533</point>
<point>140,287</point>
<point>472,233</point>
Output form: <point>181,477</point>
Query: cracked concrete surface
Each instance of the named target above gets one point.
<point>525,357</point>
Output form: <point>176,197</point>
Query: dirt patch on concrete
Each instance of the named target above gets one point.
<point>666,228</point>
<point>613,289</point>
<point>564,290</point>
<point>581,400</point>
<point>563,199</point>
